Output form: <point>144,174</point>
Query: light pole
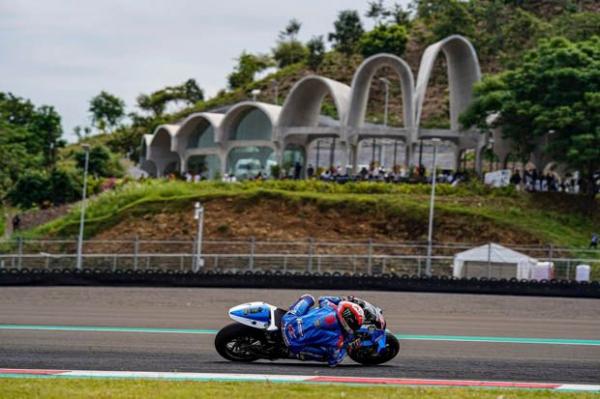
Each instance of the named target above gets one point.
<point>255,94</point>
<point>431,205</point>
<point>386,83</point>
<point>492,155</point>
<point>86,148</point>
<point>275,90</point>
<point>199,216</point>
<point>318,152</point>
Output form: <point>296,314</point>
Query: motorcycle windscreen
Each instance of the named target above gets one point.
<point>254,314</point>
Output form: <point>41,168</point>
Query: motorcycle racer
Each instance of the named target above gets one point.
<point>323,332</point>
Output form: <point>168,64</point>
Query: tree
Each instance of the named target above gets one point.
<point>102,162</point>
<point>43,125</point>
<point>377,11</point>
<point>288,53</point>
<point>41,188</point>
<point>289,50</point>
<point>316,52</point>
<point>291,30</point>
<point>107,110</point>
<point>384,39</point>
<point>579,26</point>
<point>454,19</point>
<point>399,15</point>
<point>65,187</point>
<point>31,189</point>
<point>17,157</point>
<point>156,102</point>
<point>555,88</point>
<point>47,123</point>
<point>248,66</point>
<point>521,32</point>
<point>348,31</point>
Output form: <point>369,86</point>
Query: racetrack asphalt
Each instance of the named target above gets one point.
<point>206,309</point>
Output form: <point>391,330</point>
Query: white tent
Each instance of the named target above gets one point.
<point>493,260</point>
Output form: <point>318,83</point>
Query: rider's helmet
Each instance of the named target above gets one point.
<point>350,315</point>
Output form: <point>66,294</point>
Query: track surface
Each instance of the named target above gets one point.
<point>406,313</point>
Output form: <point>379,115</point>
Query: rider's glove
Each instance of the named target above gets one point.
<point>354,344</point>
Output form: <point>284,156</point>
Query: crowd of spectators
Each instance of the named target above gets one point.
<point>530,180</point>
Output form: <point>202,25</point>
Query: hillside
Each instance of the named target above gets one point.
<point>297,210</point>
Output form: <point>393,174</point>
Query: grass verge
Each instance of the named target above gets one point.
<point>474,203</point>
<point>113,388</point>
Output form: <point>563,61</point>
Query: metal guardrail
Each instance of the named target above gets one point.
<point>307,246</point>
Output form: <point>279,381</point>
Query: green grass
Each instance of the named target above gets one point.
<point>112,388</point>
<point>2,221</point>
<point>472,203</point>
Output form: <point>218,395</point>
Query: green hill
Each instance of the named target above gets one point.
<point>293,210</point>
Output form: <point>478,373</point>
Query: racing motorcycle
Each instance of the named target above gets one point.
<point>256,335</point>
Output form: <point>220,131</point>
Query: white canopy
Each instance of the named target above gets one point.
<point>494,253</point>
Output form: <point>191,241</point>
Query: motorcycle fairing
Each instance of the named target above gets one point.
<point>259,315</point>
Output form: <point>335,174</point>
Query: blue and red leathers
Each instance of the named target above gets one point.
<point>315,333</point>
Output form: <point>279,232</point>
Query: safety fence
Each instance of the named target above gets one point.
<point>22,246</point>
<point>350,264</point>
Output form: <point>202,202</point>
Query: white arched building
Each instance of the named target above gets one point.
<point>251,135</point>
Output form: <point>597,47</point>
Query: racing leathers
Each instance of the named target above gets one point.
<point>315,333</point>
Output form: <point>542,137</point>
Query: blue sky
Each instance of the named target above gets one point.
<point>63,52</point>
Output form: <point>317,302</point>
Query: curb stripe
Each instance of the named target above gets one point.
<point>106,329</point>
<point>406,337</point>
<point>35,373</point>
<point>509,340</point>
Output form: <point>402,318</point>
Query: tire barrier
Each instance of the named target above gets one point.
<point>275,279</point>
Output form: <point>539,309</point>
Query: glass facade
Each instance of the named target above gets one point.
<point>208,166</point>
<point>248,162</point>
<point>292,155</point>
<point>203,136</point>
<point>253,125</point>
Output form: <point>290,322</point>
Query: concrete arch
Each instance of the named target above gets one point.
<point>361,83</point>
<point>302,107</point>
<point>149,167</point>
<point>463,72</point>
<point>162,138</point>
<point>191,123</point>
<point>161,150</point>
<point>235,113</point>
<point>144,146</point>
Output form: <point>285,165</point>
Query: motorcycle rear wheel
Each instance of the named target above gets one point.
<point>364,355</point>
<point>239,343</point>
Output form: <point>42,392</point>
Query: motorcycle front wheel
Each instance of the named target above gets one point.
<point>240,343</point>
<point>368,358</point>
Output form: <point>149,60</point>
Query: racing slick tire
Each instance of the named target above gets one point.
<point>239,343</point>
<point>364,356</point>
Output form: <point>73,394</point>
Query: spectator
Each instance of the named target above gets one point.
<point>594,241</point>
<point>310,171</point>
<point>515,179</point>
<point>188,177</point>
<point>364,173</point>
<point>16,223</point>
<point>297,170</point>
